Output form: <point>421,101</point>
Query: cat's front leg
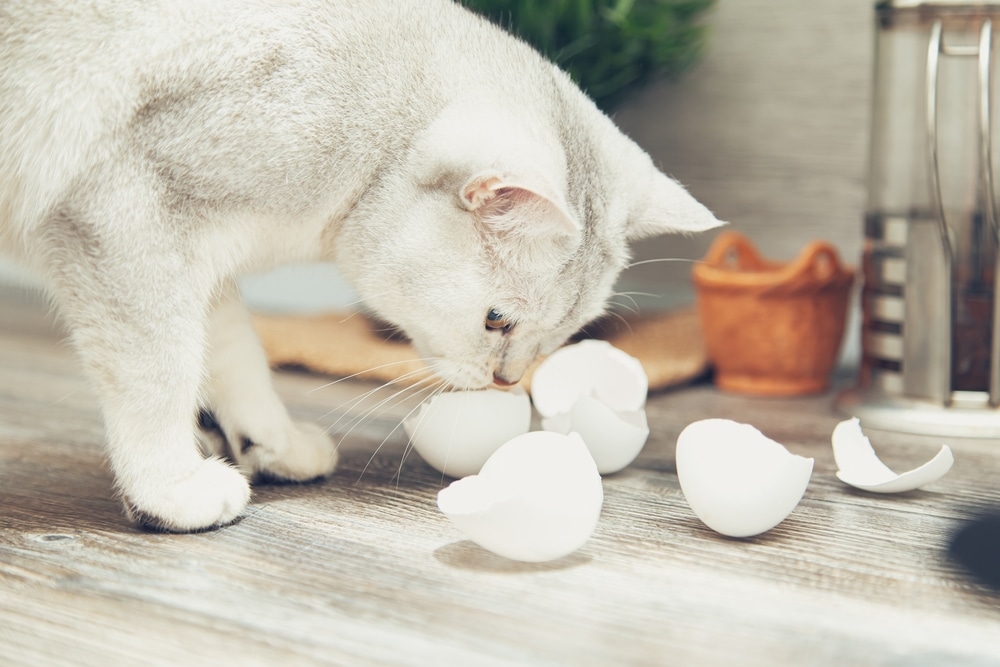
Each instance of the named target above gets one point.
<point>261,437</point>
<point>138,320</point>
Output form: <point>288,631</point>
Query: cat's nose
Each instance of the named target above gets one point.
<point>501,381</point>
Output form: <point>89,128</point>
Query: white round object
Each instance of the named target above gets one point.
<point>456,432</point>
<point>613,438</point>
<point>589,368</point>
<point>536,499</point>
<point>737,480</point>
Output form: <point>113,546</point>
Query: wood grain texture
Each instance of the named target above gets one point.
<point>363,570</point>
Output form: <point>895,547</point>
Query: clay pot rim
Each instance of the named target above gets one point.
<point>817,267</point>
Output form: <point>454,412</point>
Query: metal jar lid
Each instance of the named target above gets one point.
<point>920,12</point>
<point>930,4</point>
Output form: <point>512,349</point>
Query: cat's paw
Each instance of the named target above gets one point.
<point>304,453</point>
<point>212,495</point>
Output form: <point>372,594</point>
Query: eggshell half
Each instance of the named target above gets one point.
<point>859,466</point>
<point>536,499</point>
<point>589,368</point>
<point>737,480</point>
<point>456,432</point>
<point>613,438</point>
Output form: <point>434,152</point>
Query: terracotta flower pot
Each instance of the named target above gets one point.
<point>771,328</point>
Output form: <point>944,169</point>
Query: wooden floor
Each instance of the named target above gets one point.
<point>363,570</point>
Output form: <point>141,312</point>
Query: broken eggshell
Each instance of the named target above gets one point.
<point>738,481</point>
<point>859,466</point>
<point>613,438</point>
<point>588,368</point>
<point>536,499</point>
<point>598,391</point>
<point>456,432</point>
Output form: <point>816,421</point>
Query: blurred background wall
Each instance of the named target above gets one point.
<point>769,130</point>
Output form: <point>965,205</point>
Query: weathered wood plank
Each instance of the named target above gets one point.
<point>363,569</point>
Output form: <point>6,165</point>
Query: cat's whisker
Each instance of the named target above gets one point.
<point>622,319</point>
<point>417,391</point>
<point>425,360</point>
<point>389,330</point>
<point>368,413</point>
<point>347,406</point>
<point>357,302</point>
<point>438,390</point>
<point>448,455</point>
<point>663,259</point>
<point>416,430</point>
<point>351,316</point>
<point>64,397</point>
<point>358,420</point>
<point>652,295</point>
<point>361,311</point>
<point>625,295</point>
<point>634,308</point>
<point>361,300</point>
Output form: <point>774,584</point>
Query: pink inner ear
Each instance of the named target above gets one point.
<point>509,205</point>
<point>480,190</point>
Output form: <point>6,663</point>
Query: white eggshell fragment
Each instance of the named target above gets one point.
<point>536,499</point>
<point>613,438</point>
<point>859,466</point>
<point>456,432</point>
<point>737,480</point>
<point>588,368</point>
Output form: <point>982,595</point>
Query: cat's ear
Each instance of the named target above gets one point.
<point>663,206</point>
<point>526,205</point>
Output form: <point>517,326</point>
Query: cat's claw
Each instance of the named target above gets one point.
<point>212,496</point>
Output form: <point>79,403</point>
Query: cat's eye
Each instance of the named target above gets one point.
<point>495,320</point>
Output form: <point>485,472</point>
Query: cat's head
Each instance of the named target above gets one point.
<point>499,239</point>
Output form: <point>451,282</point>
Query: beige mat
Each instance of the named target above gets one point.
<point>669,345</point>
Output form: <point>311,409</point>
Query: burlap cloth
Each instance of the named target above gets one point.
<point>669,345</point>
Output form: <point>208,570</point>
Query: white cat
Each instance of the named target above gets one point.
<point>152,152</point>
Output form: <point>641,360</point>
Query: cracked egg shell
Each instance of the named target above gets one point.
<point>538,498</point>
<point>859,466</point>
<point>613,438</point>
<point>588,368</point>
<point>456,432</point>
<point>738,481</point>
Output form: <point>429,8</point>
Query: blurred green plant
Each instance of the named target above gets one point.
<point>609,47</point>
